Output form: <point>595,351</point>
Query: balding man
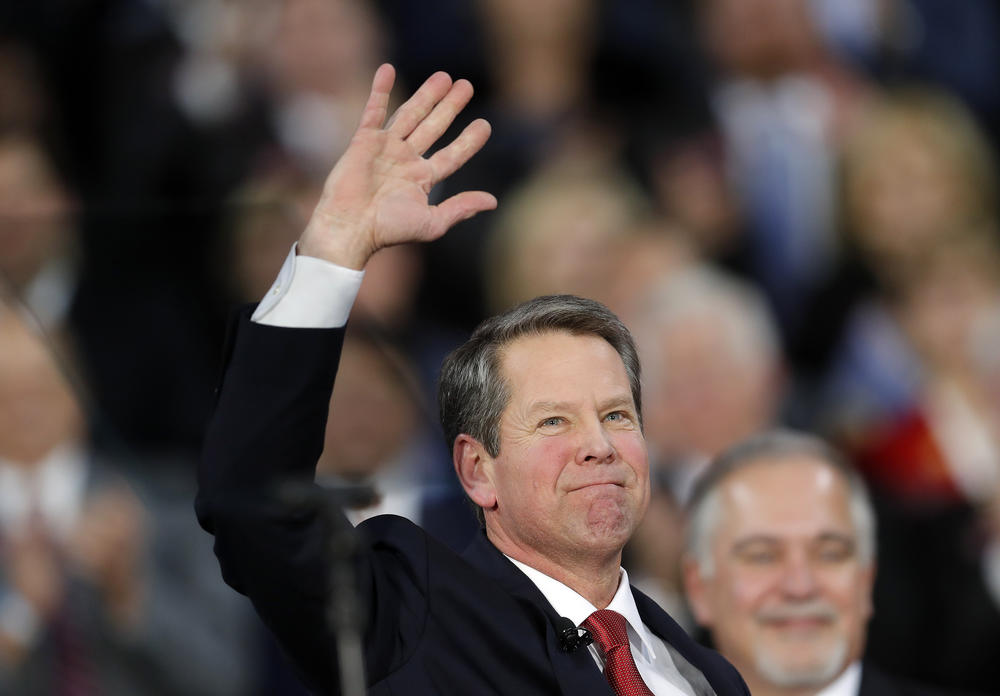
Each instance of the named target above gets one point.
<point>780,566</point>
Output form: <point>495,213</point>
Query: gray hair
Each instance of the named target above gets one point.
<point>472,390</point>
<point>704,508</point>
<point>739,310</point>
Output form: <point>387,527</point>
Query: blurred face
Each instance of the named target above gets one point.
<point>264,233</point>
<point>905,195</point>
<point>374,415</point>
<point>574,239</point>
<point>388,294</point>
<point>531,21</point>
<point>942,311</point>
<point>325,46</point>
<point>571,475</point>
<point>789,598</point>
<point>760,38</point>
<point>33,208</point>
<point>706,395</point>
<point>691,183</point>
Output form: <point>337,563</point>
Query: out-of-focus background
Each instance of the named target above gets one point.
<point>792,204</point>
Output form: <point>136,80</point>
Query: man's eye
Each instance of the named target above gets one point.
<point>551,421</point>
<point>835,552</point>
<point>758,555</point>
<point>617,416</point>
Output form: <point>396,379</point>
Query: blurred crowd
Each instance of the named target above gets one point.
<point>791,203</point>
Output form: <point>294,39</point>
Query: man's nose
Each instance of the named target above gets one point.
<point>595,444</point>
<point>798,578</point>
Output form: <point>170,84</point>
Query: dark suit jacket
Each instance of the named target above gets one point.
<point>875,682</point>
<point>439,622</point>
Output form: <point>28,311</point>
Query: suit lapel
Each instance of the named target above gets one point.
<point>685,652</point>
<point>576,672</point>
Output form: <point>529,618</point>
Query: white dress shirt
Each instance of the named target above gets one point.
<point>312,293</point>
<point>650,653</point>
<point>847,684</point>
<point>309,293</point>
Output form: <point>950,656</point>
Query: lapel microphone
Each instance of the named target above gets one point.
<point>571,637</point>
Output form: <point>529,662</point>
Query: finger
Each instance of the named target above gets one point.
<point>461,206</point>
<point>416,108</point>
<point>437,122</point>
<point>447,160</point>
<point>378,101</point>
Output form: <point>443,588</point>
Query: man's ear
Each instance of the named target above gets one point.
<point>474,467</point>
<point>697,590</point>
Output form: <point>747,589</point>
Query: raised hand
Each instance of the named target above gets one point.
<point>376,195</point>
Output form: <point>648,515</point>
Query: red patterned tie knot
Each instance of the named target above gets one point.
<point>609,631</point>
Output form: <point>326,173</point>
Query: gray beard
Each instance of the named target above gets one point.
<point>818,674</point>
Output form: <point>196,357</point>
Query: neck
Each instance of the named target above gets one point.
<point>31,455</point>
<point>593,577</point>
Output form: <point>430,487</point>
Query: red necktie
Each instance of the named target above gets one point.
<point>608,629</point>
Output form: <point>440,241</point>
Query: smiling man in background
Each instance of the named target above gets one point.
<point>780,567</point>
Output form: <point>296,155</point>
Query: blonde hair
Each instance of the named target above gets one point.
<point>528,231</point>
<point>934,119</point>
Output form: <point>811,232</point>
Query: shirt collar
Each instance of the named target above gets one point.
<point>574,606</point>
<point>847,684</point>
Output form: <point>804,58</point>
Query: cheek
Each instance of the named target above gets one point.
<point>749,591</point>
<point>849,590</point>
<point>550,451</point>
<point>548,458</point>
<point>631,447</point>
<point>535,469</point>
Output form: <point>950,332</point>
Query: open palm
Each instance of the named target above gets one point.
<point>377,194</point>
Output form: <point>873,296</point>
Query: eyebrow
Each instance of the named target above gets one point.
<point>838,536</point>
<point>741,544</point>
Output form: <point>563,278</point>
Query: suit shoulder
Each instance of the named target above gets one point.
<point>393,530</point>
<point>875,682</point>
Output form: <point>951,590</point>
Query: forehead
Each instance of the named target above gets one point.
<point>796,496</point>
<point>549,364</point>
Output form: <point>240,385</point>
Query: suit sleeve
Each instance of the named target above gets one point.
<point>267,430</point>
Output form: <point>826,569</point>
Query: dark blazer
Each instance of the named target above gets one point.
<point>875,682</point>
<point>438,622</point>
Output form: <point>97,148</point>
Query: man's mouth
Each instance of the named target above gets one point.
<point>799,619</point>
<point>597,484</point>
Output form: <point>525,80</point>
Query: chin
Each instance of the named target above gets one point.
<point>610,524</point>
<point>796,671</point>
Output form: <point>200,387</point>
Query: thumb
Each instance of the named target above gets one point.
<point>459,207</point>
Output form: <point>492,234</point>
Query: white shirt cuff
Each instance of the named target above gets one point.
<point>309,293</point>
